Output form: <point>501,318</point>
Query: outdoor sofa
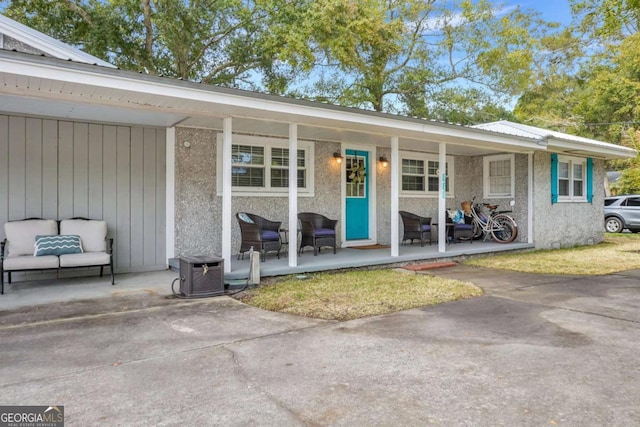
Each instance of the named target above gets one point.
<point>45,244</point>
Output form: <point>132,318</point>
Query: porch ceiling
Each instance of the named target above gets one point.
<point>45,87</point>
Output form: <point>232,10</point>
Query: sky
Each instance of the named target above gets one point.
<point>551,10</point>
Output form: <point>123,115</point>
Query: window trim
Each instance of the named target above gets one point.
<point>486,168</point>
<point>571,160</point>
<point>426,157</point>
<point>268,144</point>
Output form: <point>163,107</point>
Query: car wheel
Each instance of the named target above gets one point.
<point>613,225</point>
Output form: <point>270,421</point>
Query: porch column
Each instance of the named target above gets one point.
<point>293,195</point>
<point>170,193</point>
<point>442,198</point>
<point>395,196</point>
<point>226,192</point>
<point>530,198</point>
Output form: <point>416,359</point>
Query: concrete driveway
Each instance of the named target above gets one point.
<point>535,351</point>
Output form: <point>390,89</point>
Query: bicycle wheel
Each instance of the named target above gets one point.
<point>477,230</point>
<point>504,229</point>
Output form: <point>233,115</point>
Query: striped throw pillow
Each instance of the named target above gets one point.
<point>57,245</point>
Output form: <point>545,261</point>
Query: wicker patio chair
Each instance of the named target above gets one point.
<point>317,231</point>
<point>260,233</point>
<point>415,227</point>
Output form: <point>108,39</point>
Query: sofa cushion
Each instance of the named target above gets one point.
<point>85,259</point>
<point>30,262</point>
<point>57,245</point>
<point>92,233</point>
<point>21,235</point>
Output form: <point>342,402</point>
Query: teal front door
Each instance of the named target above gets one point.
<point>357,191</point>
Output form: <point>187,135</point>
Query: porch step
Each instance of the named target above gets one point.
<point>429,266</point>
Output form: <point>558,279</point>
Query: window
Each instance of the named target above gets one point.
<point>419,174</point>
<point>571,179</point>
<point>632,202</point>
<point>499,176</point>
<point>261,166</point>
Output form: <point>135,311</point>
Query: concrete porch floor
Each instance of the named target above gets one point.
<point>351,257</point>
<point>36,289</point>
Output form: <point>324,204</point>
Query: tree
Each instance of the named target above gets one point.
<point>391,55</point>
<point>595,92</point>
<point>214,41</point>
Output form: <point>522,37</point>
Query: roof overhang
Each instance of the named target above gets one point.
<point>559,142</point>
<point>608,152</point>
<point>49,87</point>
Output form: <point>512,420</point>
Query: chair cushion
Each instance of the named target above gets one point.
<point>270,235</point>
<point>244,217</point>
<point>30,262</point>
<point>21,235</point>
<point>93,233</point>
<point>57,245</point>
<point>85,259</point>
<point>426,227</point>
<point>463,226</point>
<point>325,232</point>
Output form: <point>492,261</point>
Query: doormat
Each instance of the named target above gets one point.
<point>371,247</point>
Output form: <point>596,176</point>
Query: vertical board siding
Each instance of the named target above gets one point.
<point>161,195</point>
<point>137,194</point>
<point>109,183</point>
<point>17,171</point>
<point>60,169</point>
<point>33,168</point>
<point>149,196</point>
<point>95,171</point>
<point>49,169</point>
<point>65,170</point>
<point>4,172</point>
<point>123,197</point>
<point>80,170</point>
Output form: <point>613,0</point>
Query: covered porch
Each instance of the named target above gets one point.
<point>192,208</point>
<point>351,257</point>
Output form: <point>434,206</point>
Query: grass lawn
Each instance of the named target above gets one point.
<point>356,293</point>
<point>618,252</point>
<point>359,293</point>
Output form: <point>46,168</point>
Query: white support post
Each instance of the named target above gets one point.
<point>293,195</point>
<point>442,197</point>
<point>395,196</point>
<point>530,198</point>
<point>170,193</point>
<point>227,140</point>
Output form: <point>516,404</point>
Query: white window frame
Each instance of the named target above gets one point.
<point>426,157</point>
<point>267,144</point>
<point>572,161</point>
<point>486,179</point>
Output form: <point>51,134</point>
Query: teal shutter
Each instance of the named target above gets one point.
<point>554,178</point>
<point>589,180</point>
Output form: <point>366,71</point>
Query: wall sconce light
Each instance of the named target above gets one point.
<point>383,161</point>
<point>338,156</point>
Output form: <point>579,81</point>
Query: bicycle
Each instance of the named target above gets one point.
<point>500,226</point>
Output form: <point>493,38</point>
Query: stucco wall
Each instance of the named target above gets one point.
<point>566,224</point>
<point>468,182</point>
<point>198,211</point>
<point>198,224</point>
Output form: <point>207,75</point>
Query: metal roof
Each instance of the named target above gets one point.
<point>46,44</point>
<point>555,140</point>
